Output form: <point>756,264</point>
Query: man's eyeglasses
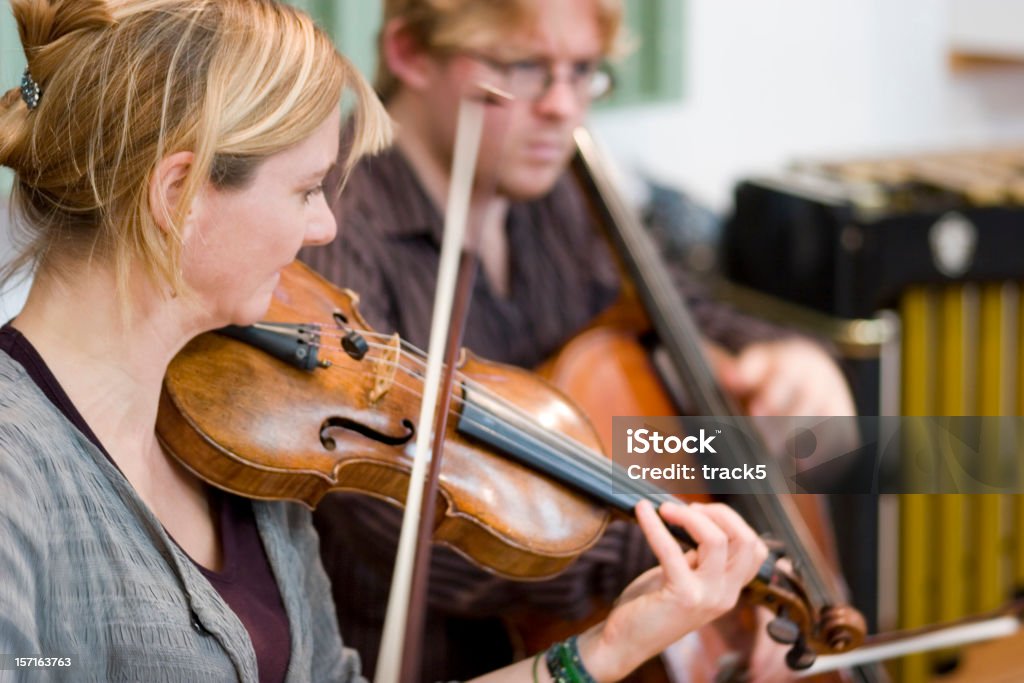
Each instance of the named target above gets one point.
<point>530,79</point>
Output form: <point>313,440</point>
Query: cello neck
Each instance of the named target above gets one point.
<point>640,258</point>
<point>680,337</point>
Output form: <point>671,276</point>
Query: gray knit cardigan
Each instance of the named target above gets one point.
<point>87,570</point>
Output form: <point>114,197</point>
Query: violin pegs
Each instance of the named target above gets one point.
<point>800,658</point>
<point>783,630</point>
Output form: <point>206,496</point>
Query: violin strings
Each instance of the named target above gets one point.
<point>590,461</point>
<point>586,461</point>
<point>572,452</point>
<point>769,507</point>
<point>584,458</point>
<point>567,442</point>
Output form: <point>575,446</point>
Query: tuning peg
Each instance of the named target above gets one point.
<point>800,658</point>
<point>783,630</point>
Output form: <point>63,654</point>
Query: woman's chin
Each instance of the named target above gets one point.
<point>254,311</point>
<point>255,307</point>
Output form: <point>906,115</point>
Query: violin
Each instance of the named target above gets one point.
<point>329,419</point>
<point>313,400</point>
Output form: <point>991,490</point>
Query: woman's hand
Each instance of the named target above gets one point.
<point>686,591</point>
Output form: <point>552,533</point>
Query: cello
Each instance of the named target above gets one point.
<point>608,372</point>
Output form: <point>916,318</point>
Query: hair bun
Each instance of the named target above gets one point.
<point>13,112</point>
<point>47,29</point>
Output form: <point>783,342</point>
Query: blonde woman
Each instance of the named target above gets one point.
<point>169,156</point>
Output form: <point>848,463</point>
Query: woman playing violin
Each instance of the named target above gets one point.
<point>169,156</point>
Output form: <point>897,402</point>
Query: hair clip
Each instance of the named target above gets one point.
<point>30,91</point>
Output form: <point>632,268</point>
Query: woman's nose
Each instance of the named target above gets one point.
<point>323,228</point>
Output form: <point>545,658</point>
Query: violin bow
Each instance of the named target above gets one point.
<point>403,623</point>
<point>1000,623</point>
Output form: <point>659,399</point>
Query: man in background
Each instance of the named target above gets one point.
<point>544,274</point>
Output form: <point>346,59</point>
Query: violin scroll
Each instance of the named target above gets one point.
<point>831,630</point>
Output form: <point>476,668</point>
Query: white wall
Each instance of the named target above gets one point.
<point>988,27</point>
<point>13,296</point>
<point>766,82</point>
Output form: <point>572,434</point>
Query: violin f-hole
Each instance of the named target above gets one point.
<point>369,432</point>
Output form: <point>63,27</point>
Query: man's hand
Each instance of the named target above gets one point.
<point>788,377</point>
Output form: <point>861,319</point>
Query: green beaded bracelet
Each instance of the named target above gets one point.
<point>565,665</point>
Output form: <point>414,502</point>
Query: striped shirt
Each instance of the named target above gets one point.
<point>561,276</point>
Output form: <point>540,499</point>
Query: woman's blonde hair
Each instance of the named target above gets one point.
<point>125,83</point>
<point>449,25</point>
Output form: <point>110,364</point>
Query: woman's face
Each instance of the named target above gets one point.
<point>242,238</point>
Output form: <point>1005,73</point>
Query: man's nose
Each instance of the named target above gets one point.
<point>560,100</point>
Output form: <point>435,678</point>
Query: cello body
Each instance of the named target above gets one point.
<point>608,372</point>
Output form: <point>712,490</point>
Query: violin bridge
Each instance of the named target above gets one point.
<point>385,365</point>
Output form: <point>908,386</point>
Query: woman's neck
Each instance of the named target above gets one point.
<point>111,369</point>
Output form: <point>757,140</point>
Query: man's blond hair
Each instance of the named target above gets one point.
<point>451,25</point>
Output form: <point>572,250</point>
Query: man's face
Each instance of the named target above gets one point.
<point>526,143</point>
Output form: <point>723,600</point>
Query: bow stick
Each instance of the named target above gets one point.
<point>1000,623</point>
<point>405,611</point>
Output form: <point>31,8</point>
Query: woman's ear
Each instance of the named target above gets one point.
<point>406,58</point>
<point>166,185</point>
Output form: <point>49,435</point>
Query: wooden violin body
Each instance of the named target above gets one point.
<point>246,422</point>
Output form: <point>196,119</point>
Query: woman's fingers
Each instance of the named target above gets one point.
<point>688,589</point>
<point>726,543</point>
<point>728,553</point>
<point>712,541</point>
<point>747,552</point>
<point>664,545</point>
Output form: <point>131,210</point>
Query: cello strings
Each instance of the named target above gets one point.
<point>772,508</point>
<point>679,331</point>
